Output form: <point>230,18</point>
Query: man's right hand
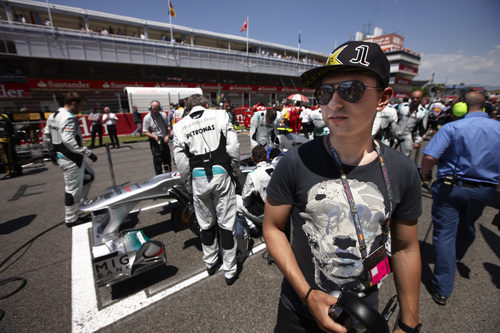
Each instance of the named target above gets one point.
<point>319,303</point>
<point>93,157</point>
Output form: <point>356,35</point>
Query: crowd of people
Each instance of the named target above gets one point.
<point>354,208</point>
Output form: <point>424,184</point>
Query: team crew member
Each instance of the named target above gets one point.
<point>207,152</point>
<point>262,126</point>
<point>385,125</point>
<point>251,202</point>
<point>62,135</point>
<point>179,113</point>
<point>466,152</point>
<point>412,122</point>
<point>157,128</point>
<point>312,183</point>
<point>110,119</point>
<point>8,148</point>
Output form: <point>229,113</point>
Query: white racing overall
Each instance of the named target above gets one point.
<point>411,127</point>
<point>385,125</point>
<point>251,202</point>
<point>62,134</point>
<point>261,132</point>
<point>206,152</point>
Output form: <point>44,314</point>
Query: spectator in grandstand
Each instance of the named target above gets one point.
<point>136,115</point>
<point>412,123</point>
<point>96,126</point>
<point>62,136</point>
<point>110,119</point>
<point>466,152</point>
<point>207,155</point>
<point>262,127</point>
<point>310,185</point>
<point>157,128</point>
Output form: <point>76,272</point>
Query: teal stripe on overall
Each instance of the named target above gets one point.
<point>216,170</point>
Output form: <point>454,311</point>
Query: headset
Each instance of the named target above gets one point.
<point>460,109</point>
<point>154,100</point>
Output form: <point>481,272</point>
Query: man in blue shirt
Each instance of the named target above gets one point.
<point>466,152</point>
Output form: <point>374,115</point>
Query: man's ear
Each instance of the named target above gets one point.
<point>385,98</point>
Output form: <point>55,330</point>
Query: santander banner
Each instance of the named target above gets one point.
<point>56,84</point>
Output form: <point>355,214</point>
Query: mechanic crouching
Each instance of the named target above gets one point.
<point>206,152</point>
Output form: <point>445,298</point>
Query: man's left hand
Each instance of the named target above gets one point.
<point>416,145</point>
<point>165,139</point>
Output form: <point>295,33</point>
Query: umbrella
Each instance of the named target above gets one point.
<point>298,97</point>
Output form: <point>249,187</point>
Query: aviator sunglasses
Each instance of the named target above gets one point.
<point>351,91</point>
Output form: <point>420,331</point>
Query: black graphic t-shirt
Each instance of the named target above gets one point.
<point>324,238</point>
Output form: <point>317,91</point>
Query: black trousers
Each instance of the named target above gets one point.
<point>96,129</point>
<point>9,156</point>
<point>161,156</point>
<point>112,135</point>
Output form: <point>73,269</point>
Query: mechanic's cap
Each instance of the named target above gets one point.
<point>352,55</point>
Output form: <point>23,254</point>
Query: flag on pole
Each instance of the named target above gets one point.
<point>244,27</point>
<point>172,11</point>
<point>299,36</point>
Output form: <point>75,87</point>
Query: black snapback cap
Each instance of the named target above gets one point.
<point>351,55</point>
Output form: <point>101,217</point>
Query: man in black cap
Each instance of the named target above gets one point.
<point>352,192</point>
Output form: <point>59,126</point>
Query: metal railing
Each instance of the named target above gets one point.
<point>50,42</point>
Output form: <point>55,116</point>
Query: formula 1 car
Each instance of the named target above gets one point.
<point>120,254</point>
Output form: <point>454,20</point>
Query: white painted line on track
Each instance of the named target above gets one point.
<point>85,316</point>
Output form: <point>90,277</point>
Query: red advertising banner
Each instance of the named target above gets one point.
<point>408,69</point>
<point>14,90</point>
<point>56,84</point>
<point>124,125</point>
<point>399,80</point>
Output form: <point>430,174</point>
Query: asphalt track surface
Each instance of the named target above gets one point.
<point>60,294</point>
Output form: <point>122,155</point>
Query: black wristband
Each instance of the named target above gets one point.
<point>304,302</point>
<point>407,328</point>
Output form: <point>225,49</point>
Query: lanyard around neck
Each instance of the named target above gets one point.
<point>350,198</point>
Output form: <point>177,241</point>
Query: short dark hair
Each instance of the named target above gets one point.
<point>196,100</point>
<point>71,97</point>
<point>270,115</point>
<point>259,154</point>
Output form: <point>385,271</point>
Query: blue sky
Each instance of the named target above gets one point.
<point>458,40</point>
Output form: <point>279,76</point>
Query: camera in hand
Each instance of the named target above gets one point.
<point>351,312</point>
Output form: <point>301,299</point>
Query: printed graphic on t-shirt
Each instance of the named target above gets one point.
<point>331,233</point>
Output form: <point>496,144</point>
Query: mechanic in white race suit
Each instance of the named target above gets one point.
<point>385,125</point>
<point>412,124</point>
<point>63,137</point>
<point>262,127</point>
<point>207,153</point>
<point>251,201</point>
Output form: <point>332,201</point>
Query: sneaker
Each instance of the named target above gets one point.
<point>231,280</point>
<point>441,300</point>
<point>212,270</point>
